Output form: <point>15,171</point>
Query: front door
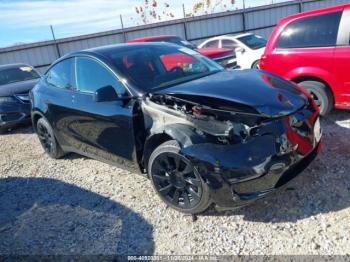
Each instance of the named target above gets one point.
<point>105,129</point>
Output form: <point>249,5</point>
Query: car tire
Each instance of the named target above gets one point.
<point>319,91</point>
<point>47,139</point>
<point>177,182</point>
<point>255,65</point>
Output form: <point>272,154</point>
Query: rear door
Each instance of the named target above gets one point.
<point>104,129</point>
<point>342,60</point>
<point>306,45</point>
<point>58,99</point>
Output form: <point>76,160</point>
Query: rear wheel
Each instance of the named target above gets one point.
<point>176,180</point>
<point>47,139</point>
<point>321,95</point>
<point>255,65</point>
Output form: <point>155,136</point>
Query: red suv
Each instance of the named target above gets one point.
<point>225,57</point>
<point>313,50</point>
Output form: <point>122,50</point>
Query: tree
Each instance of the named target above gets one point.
<point>156,10</point>
<point>153,11</point>
<point>205,7</point>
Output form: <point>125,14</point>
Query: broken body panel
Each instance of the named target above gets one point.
<point>240,149</point>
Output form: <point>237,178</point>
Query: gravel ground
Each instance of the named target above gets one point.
<point>77,205</point>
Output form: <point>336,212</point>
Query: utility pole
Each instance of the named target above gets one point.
<point>56,44</point>
<point>185,20</point>
<point>121,22</point>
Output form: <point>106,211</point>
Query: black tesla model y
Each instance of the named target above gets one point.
<point>202,135</point>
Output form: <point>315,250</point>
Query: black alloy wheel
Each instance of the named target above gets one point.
<point>47,139</point>
<point>176,180</point>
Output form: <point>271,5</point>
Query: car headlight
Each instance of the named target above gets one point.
<point>7,99</point>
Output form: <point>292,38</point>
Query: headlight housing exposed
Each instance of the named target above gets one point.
<point>7,99</point>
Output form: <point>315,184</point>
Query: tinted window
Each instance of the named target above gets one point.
<point>229,44</point>
<point>315,31</point>
<point>253,41</point>
<point>12,75</point>
<point>60,75</point>
<point>212,44</point>
<point>92,75</point>
<point>160,66</point>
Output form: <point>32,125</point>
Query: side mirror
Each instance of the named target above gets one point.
<point>106,94</point>
<point>240,49</point>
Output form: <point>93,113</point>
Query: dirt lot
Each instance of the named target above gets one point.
<point>80,206</point>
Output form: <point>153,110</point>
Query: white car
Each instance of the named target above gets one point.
<point>249,47</point>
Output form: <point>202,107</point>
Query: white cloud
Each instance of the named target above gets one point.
<point>75,15</point>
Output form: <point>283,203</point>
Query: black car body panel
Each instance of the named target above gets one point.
<point>247,133</point>
<point>267,94</point>
<point>14,100</point>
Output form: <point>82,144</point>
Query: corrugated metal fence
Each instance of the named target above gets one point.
<point>260,20</point>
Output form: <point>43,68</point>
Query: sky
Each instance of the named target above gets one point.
<point>27,21</point>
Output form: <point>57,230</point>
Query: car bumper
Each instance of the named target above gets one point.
<point>239,174</point>
<point>12,114</point>
<point>245,193</point>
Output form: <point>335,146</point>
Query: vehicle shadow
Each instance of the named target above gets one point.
<point>41,216</point>
<point>19,129</point>
<point>323,187</point>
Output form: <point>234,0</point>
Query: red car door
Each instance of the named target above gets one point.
<point>342,60</point>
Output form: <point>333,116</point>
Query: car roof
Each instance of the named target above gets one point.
<point>149,38</point>
<point>329,9</point>
<point>239,35</point>
<point>229,36</point>
<point>9,66</point>
<point>117,47</point>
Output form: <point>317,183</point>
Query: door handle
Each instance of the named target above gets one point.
<point>73,98</point>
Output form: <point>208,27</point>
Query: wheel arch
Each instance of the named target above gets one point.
<point>183,134</point>
<point>303,78</point>
<point>36,115</point>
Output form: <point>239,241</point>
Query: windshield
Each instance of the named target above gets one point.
<point>253,41</point>
<point>160,66</point>
<point>175,40</point>
<point>18,74</point>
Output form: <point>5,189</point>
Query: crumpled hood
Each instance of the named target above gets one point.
<point>18,87</point>
<point>263,92</point>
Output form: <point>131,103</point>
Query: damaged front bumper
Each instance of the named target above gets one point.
<point>238,174</point>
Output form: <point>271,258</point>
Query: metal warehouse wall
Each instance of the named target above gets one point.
<point>260,20</point>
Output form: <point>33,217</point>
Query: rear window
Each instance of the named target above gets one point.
<point>18,74</point>
<point>315,31</point>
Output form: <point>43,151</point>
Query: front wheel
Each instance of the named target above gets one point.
<point>176,180</point>
<point>320,94</point>
<point>47,139</point>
